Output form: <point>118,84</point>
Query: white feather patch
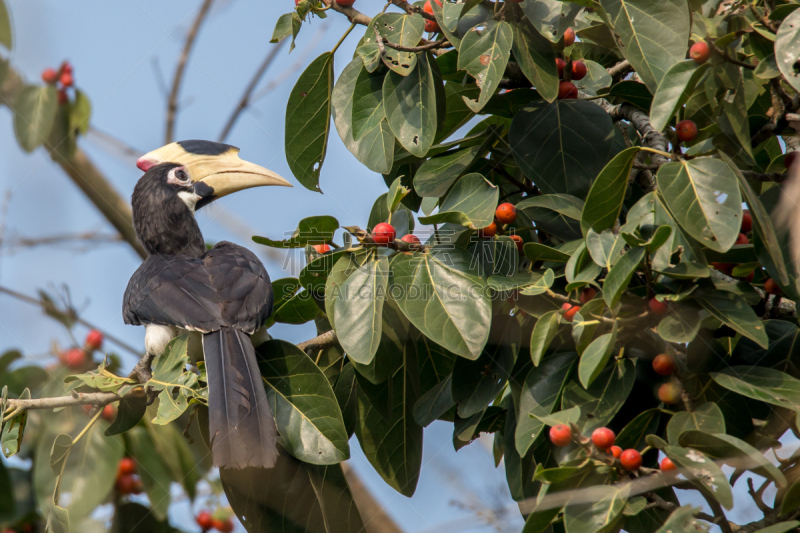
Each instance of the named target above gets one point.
<point>157,337</point>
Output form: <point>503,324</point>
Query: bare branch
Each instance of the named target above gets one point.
<point>325,340</point>
<point>88,398</point>
<point>441,43</point>
<point>353,15</point>
<point>172,104</point>
<point>90,237</point>
<point>408,8</point>
<point>620,69</point>
<point>245,100</point>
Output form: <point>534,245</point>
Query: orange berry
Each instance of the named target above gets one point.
<point>631,460</point>
<point>603,438</point>
<point>700,52</point>
<point>560,65</point>
<point>669,393</point>
<point>223,526</point>
<point>616,451</point>
<point>66,79</point>
<point>94,340</point>
<point>383,233</point>
<point>667,464</point>
<point>74,358</point>
<point>322,248</point>
<point>770,287</point>
<point>569,37</point>
<point>518,240</point>
<point>63,98</point>
<point>49,75</point>
<point>560,435</point>
<point>569,315</point>
<point>126,466</point>
<point>431,26</point>
<point>488,231</point>
<point>506,213</point>
<point>410,238</point>
<point>656,307</point>
<point>664,364</point>
<point>567,91</point>
<point>579,70</point>
<point>109,413</point>
<point>686,130</point>
<point>204,518</point>
<point>725,268</point>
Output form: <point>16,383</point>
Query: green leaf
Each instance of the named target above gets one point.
<point>310,230</point>
<point>620,275</point>
<point>396,194</point>
<point>176,384</point>
<point>763,384</point>
<point>598,515</point>
<point>151,468</point>
<point>605,248</point>
<point>605,396</point>
<point>544,331</point>
<point>674,90</point>
<point>368,110</point>
<point>293,497</point>
<point>605,198</point>
<point>539,395</point>
<point>308,117</point>
<point>633,92</point>
<point>525,279</point>
<point>80,112</point>
<point>471,203</point>
<point>410,103</point>
<point>634,433</point>
<point>484,54</point>
<point>301,308</point>
<point>435,176</point>
<point>682,327</point>
<point>703,196</point>
<point>358,308</point>
<point>5,27</point>
<point>13,430</point>
<point>733,311</point>
<point>303,404</point>
<point>562,146</point>
<point>681,519</point>
<point>787,49</point>
<point>58,517</point>
<point>539,252</point>
<point>393,445</point>
<point>59,452</point>
<point>702,472</point>
<point>283,28</point>
<point>551,17</point>
<point>735,452</point>
<point>707,417</point>
<point>402,29</point>
<point>791,499</point>
<point>559,214</point>
<point>596,356</point>
<point>651,39</point>
<point>537,60</point>
<point>733,119</point>
<point>434,403</point>
<point>34,114</point>
<point>375,150</point>
<point>458,318</point>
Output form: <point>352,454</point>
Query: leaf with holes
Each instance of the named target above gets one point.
<point>484,54</point>
<point>308,117</point>
<point>402,29</point>
<point>787,49</point>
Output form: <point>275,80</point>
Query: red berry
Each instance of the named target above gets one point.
<point>410,238</point>
<point>109,413</point>
<point>204,518</point>
<point>616,451</point>
<point>322,248</point>
<point>603,438</point>
<point>224,526</point>
<point>686,130</point>
<point>383,233</point>
<point>560,435</point>
<point>345,3</point>
<point>700,52</point>
<point>667,464</point>
<point>742,239</point>
<point>725,268</point>
<point>66,79</point>
<point>664,364</point>
<point>669,393</point>
<point>488,231</point>
<point>631,460</point>
<point>747,222</point>
<point>297,2</point>
<point>66,66</point>
<point>579,70</point>
<point>770,287</point>
<point>506,213</point>
<point>74,358</point>
<point>518,240</point>
<point>566,306</point>
<point>126,467</point>
<point>94,340</point>
<point>790,158</point>
<point>49,75</point>
<point>62,96</point>
<point>431,26</point>
<point>571,312</point>
<point>567,91</point>
<point>125,484</point>
<point>569,37</point>
<point>560,64</point>
<point>656,307</point>
<point>587,294</point>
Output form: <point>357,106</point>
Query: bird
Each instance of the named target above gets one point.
<point>224,292</point>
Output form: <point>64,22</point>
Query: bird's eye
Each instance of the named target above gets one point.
<point>178,176</point>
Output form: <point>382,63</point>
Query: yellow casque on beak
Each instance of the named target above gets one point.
<point>213,165</point>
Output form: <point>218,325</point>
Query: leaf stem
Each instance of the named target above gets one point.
<point>353,25</point>
<point>659,152</point>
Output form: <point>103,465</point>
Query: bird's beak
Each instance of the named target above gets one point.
<point>214,168</point>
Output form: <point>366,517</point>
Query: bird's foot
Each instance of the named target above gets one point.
<point>143,373</point>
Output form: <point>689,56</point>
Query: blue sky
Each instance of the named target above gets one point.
<point>122,52</point>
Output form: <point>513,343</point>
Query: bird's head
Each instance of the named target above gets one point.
<point>200,172</point>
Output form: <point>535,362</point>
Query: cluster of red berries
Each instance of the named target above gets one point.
<point>603,439</point>
<point>127,481</point>
<point>770,287</point>
<point>207,522</point>
<point>577,71</point>
<point>570,311</point>
<point>63,77</point>
<point>505,214</point>
<point>77,358</point>
<point>669,392</point>
<point>431,26</point>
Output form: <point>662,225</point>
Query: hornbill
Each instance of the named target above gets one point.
<point>223,292</point>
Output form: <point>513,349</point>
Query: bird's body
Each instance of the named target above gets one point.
<point>223,293</point>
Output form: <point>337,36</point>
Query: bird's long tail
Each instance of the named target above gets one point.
<point>241,426</point>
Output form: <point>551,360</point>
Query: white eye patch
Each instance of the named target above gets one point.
<point>178,176</point>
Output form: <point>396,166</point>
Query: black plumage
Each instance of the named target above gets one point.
<point>224,293</point>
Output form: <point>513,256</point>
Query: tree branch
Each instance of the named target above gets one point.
<point>724,55</point>
<point>441,43</point>
<point>245,100</point>
<point>172,104</point>
<point>353,15</point>
<point>325,340</point>
<point>408,8</point>
<point>77,398</point>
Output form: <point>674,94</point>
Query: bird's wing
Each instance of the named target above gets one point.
<point>227,286</point>
<point>242,284</point>
<point>173,291</point>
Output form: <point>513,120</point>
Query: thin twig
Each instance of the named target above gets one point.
<point>88,398</point>
<point>441,43</point>
<point>408,8</point>
<point>244,101</point>
<point>762,19</point>
<point>172,104</point>
<point>724,55</point>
